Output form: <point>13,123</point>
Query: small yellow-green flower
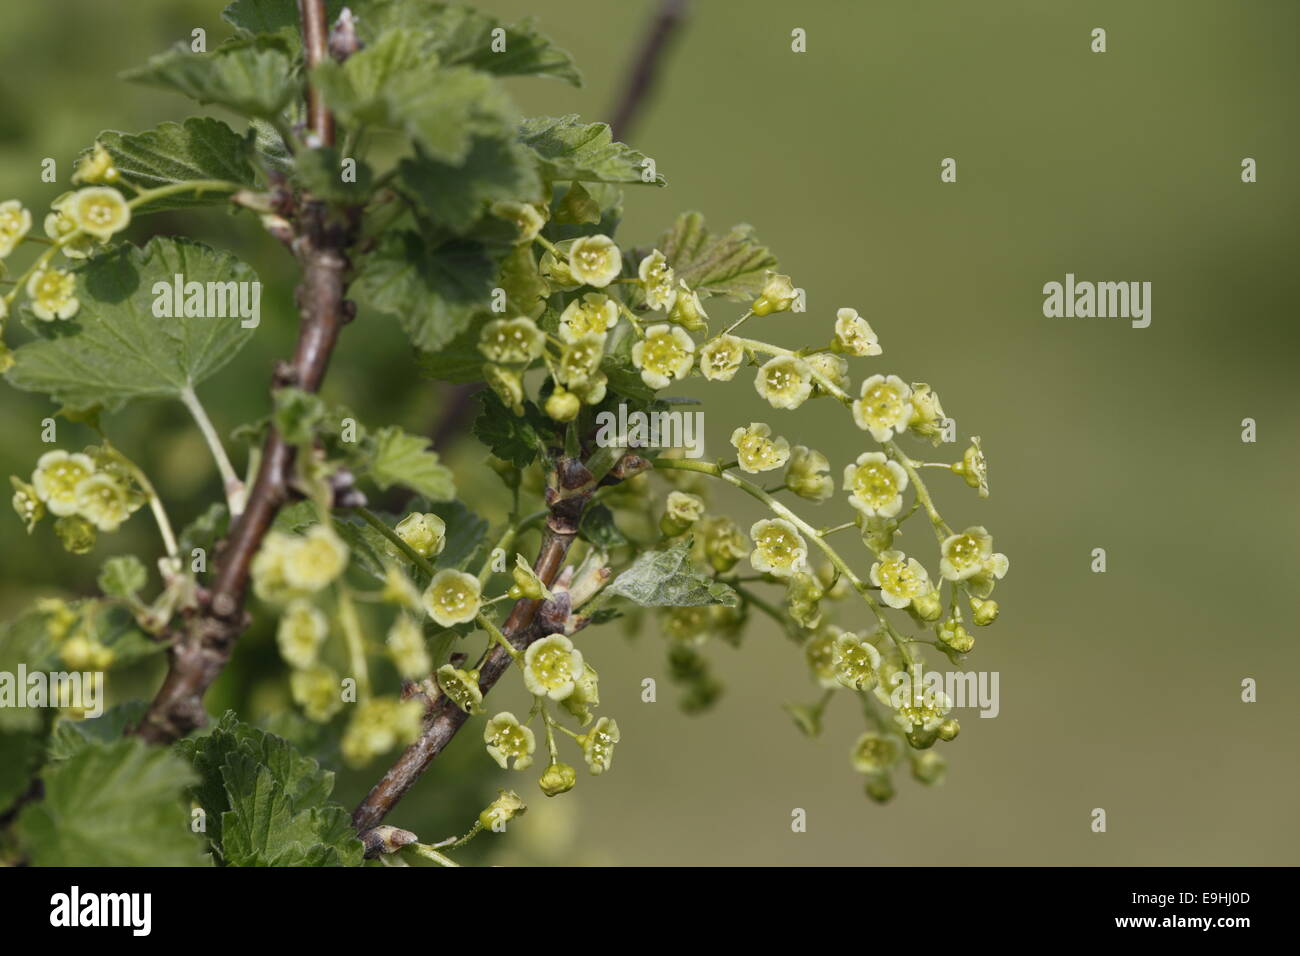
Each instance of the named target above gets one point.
<point>586,695</point>
<point>803,598</point>
<point>885,407</point>
<point>75,533</point>
<point>378,725</point>
<point>15,223</point>
<point>313,561</point>
<point>724,544</point>
<point>779,548</point>
<point>317,691</point>
<point>595,260</point>
<point>875,753</point>
<point>507,739</point>
<point>268,567</point>
<point>777,295</point>
<point>929,767</point>
<point>400,590</point>
<point>681,511</point>
<point>819,652</point>
<point>973,468</point>
<point>593,314</point>
<point>831,368</point>
<point>406,644</point>
<point>424,533</point>
<point>687,310</point>
<point>98,211</point>
<point>461,688</point>
<point>927,413</point>
<point>103,501</point>
<point>528,218</point>
<point>300,634</point>
<point>552,667</point>
<point>516,341</point>
<point>81,653</point>
<point>875,485</point>
<point>658,281</point>
<point>666,353</point>
<point>808,474</point>
<point>966,555</point>
<point>502,810</point>
<point>919,708</point>
<point>580,360</point>
<point>853,335</point>
<point>56,478</point>
<point>784,381</point>
<point>508,385</point>
<point>855,662</point>
<point>53,294</point>
<point>900,579</point>
<point>27,503</point>
<point>96,167</point>
<point>59,226</point>
<point>598,744</point>
<point>453,597</point>
<point>757,451</point>
<point>721,358</point>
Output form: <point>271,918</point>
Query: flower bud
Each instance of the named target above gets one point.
<point>559,778</point>
<point>75,533</point>
<point>986,612</point>
<point>949,729</point>
<point>929,767</point>
<point>928,607</point>
<point>777,295</point>
<point>880,788</point>
<point>502,810</point>
<point>562,405</point>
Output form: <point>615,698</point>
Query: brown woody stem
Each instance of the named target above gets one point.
<point>202,644</point>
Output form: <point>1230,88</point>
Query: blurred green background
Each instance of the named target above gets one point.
<point>1118,690</point>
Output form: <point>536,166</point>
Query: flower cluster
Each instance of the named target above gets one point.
<point>89,491</point>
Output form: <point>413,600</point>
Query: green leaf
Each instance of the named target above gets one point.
<point>123,576</point>
<point>253,78</point>
<point>21,754</point>
<point>569,149</point>
<point>670,579</point>
<point>734,265</point>
<point>435,290</point>
<point>272,16</point>
<point>70,737</point>
<point>112,804</point>
<point>454,195</point>
<point>199,148</point>
<point>463,35</point>
<point>320,171</point>
<point>25,642</point>
<point>394,84</point>
<point>116,349</point>
<point>205,530</point>
<point>266,803</point>
<point>459,361</point>
<point>514,438</point>
<point>401,458</point>
<point>296,415</point>
<point>598,527</point>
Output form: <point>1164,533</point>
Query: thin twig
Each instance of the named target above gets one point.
<point>645,69</point>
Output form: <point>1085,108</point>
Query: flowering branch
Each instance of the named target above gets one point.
<point>203,643</point>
